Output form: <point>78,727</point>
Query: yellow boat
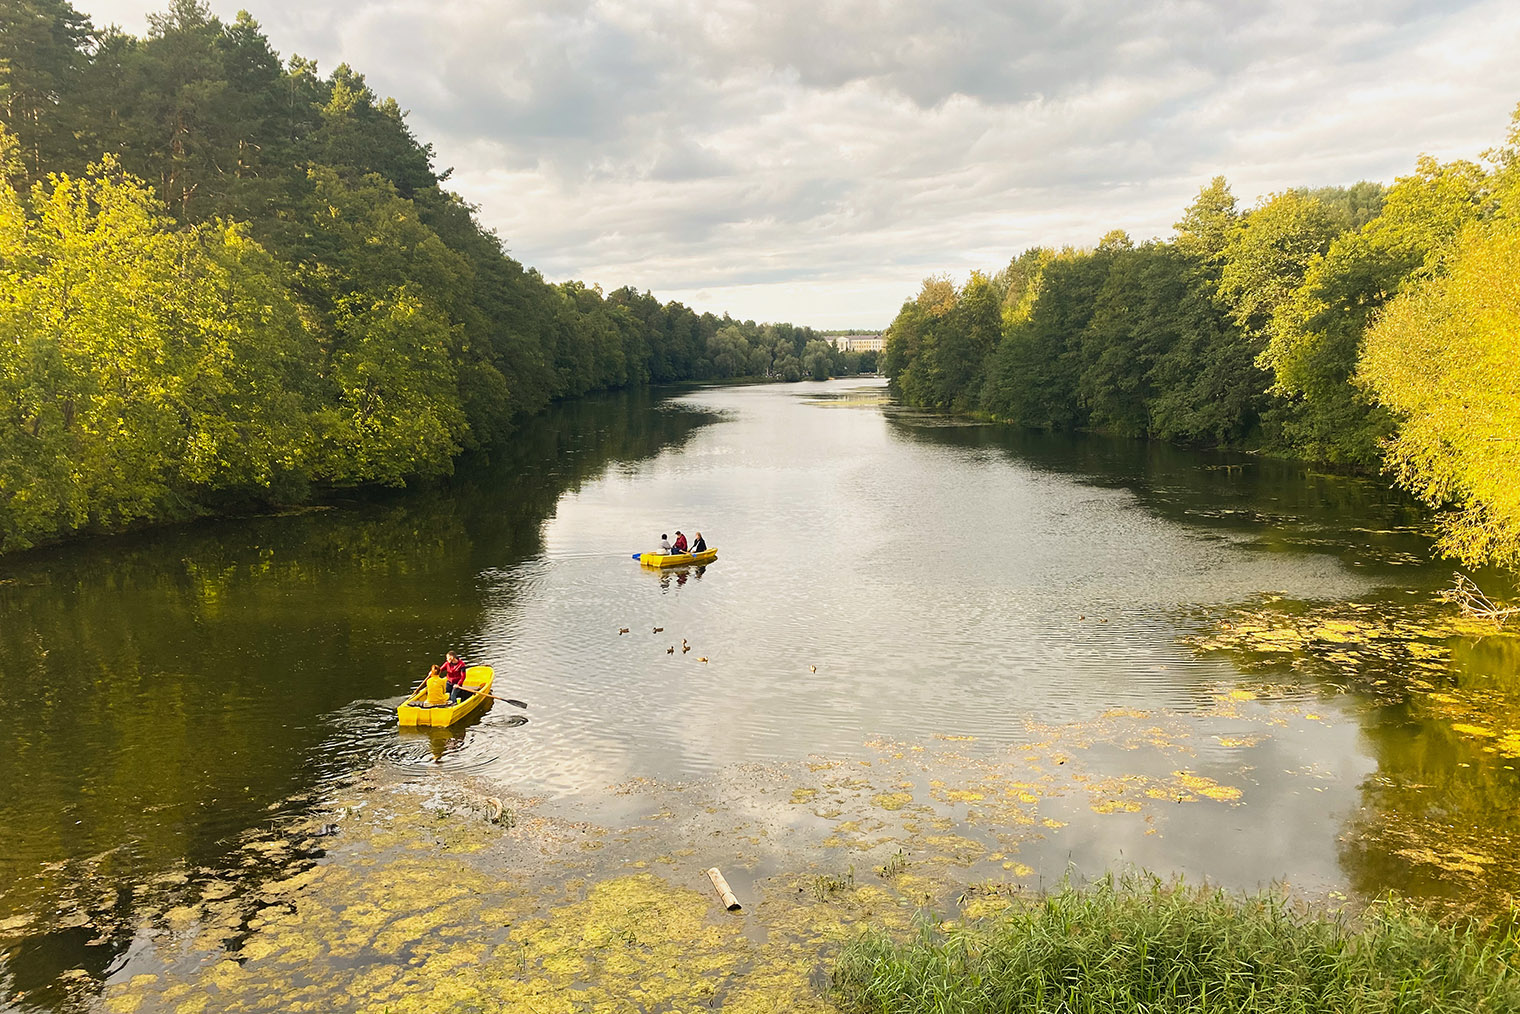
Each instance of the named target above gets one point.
<point>476,677</point>
<point>676,559</point>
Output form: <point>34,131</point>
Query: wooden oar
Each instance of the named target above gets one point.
<point>493,697</point>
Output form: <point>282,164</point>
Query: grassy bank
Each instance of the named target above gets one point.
<point>1137,944</point>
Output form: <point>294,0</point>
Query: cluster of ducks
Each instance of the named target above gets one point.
<point>686,647</point>
<point>672,649</point>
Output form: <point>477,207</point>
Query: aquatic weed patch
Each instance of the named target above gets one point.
<point>1441,815</point>
<point>1456,669</point>
<point>1136,944</point>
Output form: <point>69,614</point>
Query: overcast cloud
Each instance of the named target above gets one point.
<point>813,161</point>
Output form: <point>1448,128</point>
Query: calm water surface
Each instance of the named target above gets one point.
<point>882,574</point>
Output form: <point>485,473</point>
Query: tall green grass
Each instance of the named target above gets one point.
<point>1140,946</point>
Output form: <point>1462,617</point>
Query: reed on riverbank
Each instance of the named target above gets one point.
<point>1139,944</point>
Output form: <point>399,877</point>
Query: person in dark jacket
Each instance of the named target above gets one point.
<point>700,546</point>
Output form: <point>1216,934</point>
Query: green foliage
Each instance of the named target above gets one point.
<point>817,357</point>
<point>1315,334</point>
<point>1267,253</point>
<point>1206,226</point>
<point>1123,338</point>
<point>1445,356</point>
<point>1140,945</point>
<point>42,49</point>
<point>138,364</point>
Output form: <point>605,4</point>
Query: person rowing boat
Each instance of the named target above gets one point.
<point>454,670</point>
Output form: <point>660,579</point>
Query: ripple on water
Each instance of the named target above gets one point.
<point>367,734</point>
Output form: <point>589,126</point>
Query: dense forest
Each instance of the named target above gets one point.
<point>1366,326</point>
<point>229,280</point>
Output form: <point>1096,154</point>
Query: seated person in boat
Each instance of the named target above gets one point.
<point>437,689</point>
<point>453,673</point>
<point>680,543</point>
<point>664,549</point>
<point>699,546</point>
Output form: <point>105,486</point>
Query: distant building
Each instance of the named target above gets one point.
<point>865,342</point>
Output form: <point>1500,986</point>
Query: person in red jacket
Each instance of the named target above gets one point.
<point>453,673</point>
<point>680,546</point>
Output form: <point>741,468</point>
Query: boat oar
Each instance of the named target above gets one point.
<point>493,697</point>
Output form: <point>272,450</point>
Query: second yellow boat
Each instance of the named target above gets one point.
<point>676,559</point>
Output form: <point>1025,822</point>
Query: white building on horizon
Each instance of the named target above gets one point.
<point>865,341</point>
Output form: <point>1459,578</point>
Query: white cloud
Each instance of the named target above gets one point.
<point>812,161</point>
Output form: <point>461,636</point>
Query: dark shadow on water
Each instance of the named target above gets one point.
<point>1269,505</point>
<point>188,684</point>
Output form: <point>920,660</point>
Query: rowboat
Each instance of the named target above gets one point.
<point>476,677</point>
<point>676,559</point>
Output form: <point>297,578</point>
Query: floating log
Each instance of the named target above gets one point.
<point>721,886</point>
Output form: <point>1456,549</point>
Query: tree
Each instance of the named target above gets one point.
<point>1032,377</point>
<point>140,364</point>
<point>1204,230</point>
<point>817,359</point>
<point>1315,335</point>
<point>1267,253</point>
<point>42,54</point>
<point>1446,358</point>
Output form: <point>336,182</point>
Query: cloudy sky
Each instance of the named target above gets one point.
<point>813,160</point>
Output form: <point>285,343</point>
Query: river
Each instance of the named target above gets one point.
<point>1253,638</point>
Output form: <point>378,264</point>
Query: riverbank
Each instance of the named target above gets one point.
<point>450,893</point>
<point>1139,944</point>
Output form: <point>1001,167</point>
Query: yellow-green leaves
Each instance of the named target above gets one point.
<point>1446,357</point>
<point>137,363</point>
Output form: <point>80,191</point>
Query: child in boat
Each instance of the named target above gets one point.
<point>700,546</point>
<point>437,689</point>
<point>453,673</point>
<point>680,543</point>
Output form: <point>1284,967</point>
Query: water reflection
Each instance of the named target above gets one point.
<point>177,688</point>
<point>1437,701</point>
<point>1264,504</point>
<point>678,575</point>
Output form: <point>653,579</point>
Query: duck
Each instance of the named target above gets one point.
<point>622,631</point>
<point>812,668</point>
<point>701,658</point>
<point>659,630</point>
<point>670,650</point>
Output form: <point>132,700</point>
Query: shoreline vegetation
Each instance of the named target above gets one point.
<point>1366,327</point>
<point>561,913</point>
<point>228,281</point>
<point>1137,943</point>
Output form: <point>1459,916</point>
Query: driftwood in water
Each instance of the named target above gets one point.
<point>1469,598</point>
<point>721,886</point>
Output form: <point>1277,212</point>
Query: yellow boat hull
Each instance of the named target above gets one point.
<point>678,559</point>
<point>476,677</point>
